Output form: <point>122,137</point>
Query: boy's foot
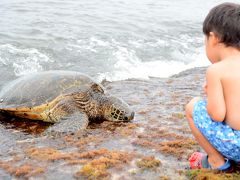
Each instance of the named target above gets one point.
<point>199,160</point>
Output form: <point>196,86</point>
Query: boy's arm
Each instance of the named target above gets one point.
<point>216,106</point>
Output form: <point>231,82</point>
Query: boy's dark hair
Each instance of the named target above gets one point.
<point>224,20</point>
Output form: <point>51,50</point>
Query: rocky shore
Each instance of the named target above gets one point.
<point>155,145</point>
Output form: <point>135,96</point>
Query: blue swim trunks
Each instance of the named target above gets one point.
<point>225,139</point>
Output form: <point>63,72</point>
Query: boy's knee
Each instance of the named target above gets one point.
<point>189,107</point>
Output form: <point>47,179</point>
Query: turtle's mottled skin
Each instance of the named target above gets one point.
<point>66,98</point>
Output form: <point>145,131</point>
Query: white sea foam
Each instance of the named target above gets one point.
<point>125,59</point>
<point>128,65</point>
<point>95,41</point>
<point>22,60</point>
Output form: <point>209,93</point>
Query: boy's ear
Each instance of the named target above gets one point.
<point>214,38</point>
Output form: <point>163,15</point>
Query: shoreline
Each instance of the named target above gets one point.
<point>155,145</point>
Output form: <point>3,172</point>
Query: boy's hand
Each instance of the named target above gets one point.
<point>205,87</point>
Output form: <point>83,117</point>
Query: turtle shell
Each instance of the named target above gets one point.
<point>39,88</point>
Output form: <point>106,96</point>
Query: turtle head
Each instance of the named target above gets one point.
<point>117,110</point>
<point>96,103</point>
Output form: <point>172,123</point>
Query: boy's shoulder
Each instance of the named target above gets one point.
<point>227,66</point>
<point>218,69</point>
<point>215,68</point>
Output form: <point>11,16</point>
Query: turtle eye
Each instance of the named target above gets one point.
<point>97,87</point>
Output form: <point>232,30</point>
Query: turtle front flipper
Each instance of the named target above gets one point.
<point>74,123</point>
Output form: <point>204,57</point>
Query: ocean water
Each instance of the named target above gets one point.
<point>107,39</point>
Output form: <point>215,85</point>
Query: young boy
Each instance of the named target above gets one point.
<point>215,122</point>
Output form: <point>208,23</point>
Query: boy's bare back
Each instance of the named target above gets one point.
<point>223,90</point>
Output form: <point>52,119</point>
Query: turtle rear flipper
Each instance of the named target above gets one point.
<point>74,123</point>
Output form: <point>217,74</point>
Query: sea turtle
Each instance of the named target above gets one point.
<point>67,98</point>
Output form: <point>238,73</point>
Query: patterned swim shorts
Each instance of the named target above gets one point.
<point>225,139</point>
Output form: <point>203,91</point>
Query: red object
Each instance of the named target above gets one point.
<point>195,160</point>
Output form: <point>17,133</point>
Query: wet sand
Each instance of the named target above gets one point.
<point>155,145</point>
